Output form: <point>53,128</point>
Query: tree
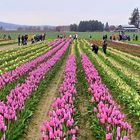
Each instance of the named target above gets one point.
<point>135,18</point>
<point>73,27</point>
<point>82,26</point>
<point>107,27</point>
<point>91,26</point>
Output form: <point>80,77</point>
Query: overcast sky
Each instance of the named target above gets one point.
<point>64,12</point>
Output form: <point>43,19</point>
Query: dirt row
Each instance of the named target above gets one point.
<point>7,47</point>
<point>43,108</point>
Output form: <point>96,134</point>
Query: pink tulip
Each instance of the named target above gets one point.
<point>105,108</point>
<point>108,136</point>
<point>118,131</point>
<point>125,138</point>
<point>95,109</point>
<point>63,106</point>
<point>18,96</point>
<point>24,68</point>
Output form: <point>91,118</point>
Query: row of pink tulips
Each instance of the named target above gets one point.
<point>107,111</point>
<point>56,42</point>
<point>61,123</point>
<point>17,97</point>
<point>24,68</point>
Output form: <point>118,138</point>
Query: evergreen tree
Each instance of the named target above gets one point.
<point>135,18</point>
<point>73,27</point>
<point>91,26</point>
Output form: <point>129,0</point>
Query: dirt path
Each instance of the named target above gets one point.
<point>7,47</point>
<point>44,106</point>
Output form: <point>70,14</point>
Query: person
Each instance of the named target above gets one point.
<point>64,35</point>
<point>95,48</point>
<point>104,46</point>
<point>70,36</point>
<point>90,36</point>
<point>4,36</point>
<point>76,36</point>
<point>9,37</point>
<point>136,37</point>
<point>114,37</point>
<point>32,41</point>
<point>106,37</point>
<point>128,38</point>
<point>73,36</point>
<point>26,39</point>
<point>103,37</point>
<point>22,40</point>
<point>111,37</point>
<point>120,37</point>
<point>44,36</point>
<point>18,40</point>
<point>61,36</point>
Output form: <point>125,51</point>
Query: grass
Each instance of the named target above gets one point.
<point>133,42</point>
<point>95,35</point>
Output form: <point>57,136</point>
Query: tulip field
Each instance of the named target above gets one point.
<point>60,90</point>
<point>7,42</point>
<point>128,48</point>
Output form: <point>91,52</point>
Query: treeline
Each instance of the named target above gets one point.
<point>36,28</point>
<point>87,26</point>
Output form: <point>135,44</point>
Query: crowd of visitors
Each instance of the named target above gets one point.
<point>122,37</point>
<point>75,36</point>
<point>24,39</point>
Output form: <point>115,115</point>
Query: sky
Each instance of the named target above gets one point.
<point>65,12</point>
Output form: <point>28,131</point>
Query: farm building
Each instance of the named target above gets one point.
<point>127,28</point>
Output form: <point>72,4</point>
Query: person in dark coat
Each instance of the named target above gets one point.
<point>90,37</point>
<point>106,36</point>
<point>120,37</point>
<point>128,38</point>
<point>104,46</point>
<point>22,40</point>
<point>18,40</point>
<point>25,39</point>
<point>103,37</point>
<point>95,48</point>
<point>136,37</point>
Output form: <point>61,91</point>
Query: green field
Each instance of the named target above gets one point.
<point>96,35</point>
<point>85,35</point>
<point>53,35</point>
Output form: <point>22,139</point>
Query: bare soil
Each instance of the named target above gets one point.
<point>43,108</point>
<point>7,47</point>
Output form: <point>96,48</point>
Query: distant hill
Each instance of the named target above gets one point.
<point>11,26</point>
